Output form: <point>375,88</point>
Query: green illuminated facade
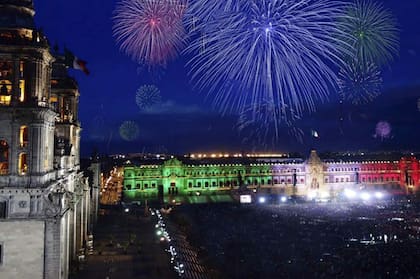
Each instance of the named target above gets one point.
<point>206,179</point>
<point>174,178</point>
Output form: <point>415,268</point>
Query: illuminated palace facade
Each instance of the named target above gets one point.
<point>290,176</point>
<point>46,204</point>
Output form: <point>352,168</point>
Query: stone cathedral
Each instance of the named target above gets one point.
<point>46,205</point>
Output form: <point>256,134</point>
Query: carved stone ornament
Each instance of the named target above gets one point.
<point>22,204</point>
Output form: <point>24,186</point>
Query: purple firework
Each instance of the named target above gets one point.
<point>383,130</point>
<point>151,32</point>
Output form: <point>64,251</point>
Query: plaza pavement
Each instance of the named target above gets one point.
<point>125,246</point>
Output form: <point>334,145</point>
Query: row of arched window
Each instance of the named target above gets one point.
<point>380,179</point>
<point>343,169</point>
<point>206,184</point>
<point>212,173</point>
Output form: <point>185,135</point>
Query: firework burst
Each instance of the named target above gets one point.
<point>278,51</point>
<point>383,130</point>
<point>147,96</point>
<point>359,84</point>
<point>151,32</point>
<point>373,30</point>
<point>129,130</point>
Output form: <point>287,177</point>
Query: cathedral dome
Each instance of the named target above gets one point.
<point>16,14</point>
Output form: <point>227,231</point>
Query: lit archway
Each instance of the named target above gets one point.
<point>23,136</point>
<point>23,164</point>
<point>4,157</point>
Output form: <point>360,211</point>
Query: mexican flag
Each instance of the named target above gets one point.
<point>74,62</point>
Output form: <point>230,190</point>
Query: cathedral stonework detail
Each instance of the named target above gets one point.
<point>44,196</point>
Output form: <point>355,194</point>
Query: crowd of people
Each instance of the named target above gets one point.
<point>308,240</point>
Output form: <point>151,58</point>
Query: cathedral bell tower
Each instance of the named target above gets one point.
<point>44,196</point>
<point>27,122</point>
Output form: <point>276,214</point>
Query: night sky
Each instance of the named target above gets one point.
<point>186,122</point>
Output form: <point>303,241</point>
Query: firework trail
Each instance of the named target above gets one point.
<point>257,123</point>
<point>151,32</point>
<point>279,51</point>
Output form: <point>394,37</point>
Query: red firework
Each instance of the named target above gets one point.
<point>151,32</point>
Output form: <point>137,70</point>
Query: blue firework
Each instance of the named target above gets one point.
<point>359,84</point>
<point>147,96</point>
<point>279,51</point>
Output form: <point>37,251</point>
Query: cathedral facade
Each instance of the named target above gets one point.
<point>46,204</point>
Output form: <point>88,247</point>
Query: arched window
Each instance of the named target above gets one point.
<point>23,136</point>
<point>23,164</point>
<point>4,157</point>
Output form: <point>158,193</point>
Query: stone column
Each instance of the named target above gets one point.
<point>82,219</point>
<point>96,184</point>
<point>76,108</point>
<point>52,249</point>
<point>78,227</point>
<point>77,131</point>
<point>47,93</point>
<point>14,149</point>
<point>36,148</point>
<point>65,244</point>
<point>36,79</point>
<point>16,77</point>
<point>72,235</point>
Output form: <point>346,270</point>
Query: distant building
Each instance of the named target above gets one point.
<point>174,178</point>
<point>45,200</point>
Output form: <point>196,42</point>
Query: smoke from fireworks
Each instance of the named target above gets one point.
<point>279,51</point>
<point>359,84</point>
<point>151,32</point>
<point>373,30</point>
<point>147,96</point>
<point>129,130</point>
